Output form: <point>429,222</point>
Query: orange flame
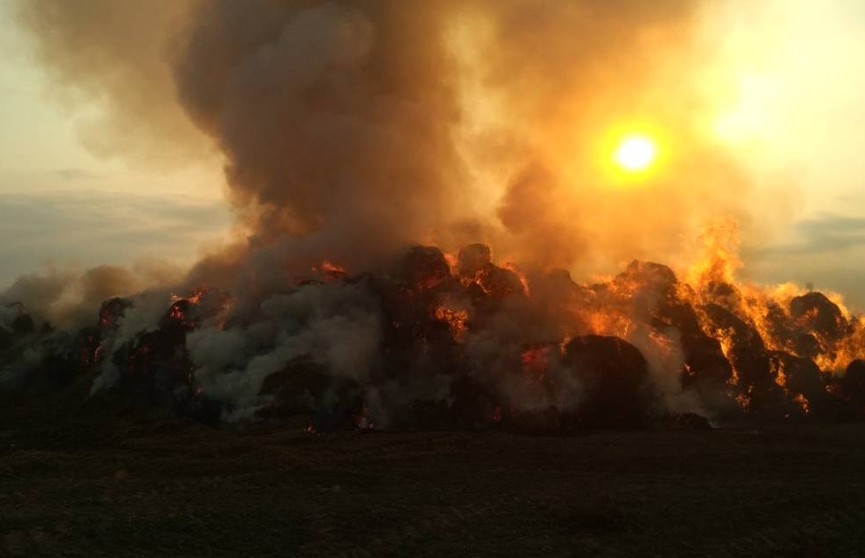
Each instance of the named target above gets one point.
<point>330,271</point>
<point>456,320</point>
<point>510,266</point>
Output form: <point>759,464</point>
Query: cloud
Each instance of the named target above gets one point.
<point>92,228</point>
<point>829,232</point>
<point>73,175</point>
<point>113,53</point>
<point>825,252</point>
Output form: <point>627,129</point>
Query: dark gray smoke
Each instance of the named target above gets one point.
<point>336,118</point>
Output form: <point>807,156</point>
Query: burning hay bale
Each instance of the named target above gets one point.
<point>112,311</point>
<point>651,277</point>
<point>154,365</point>
<point>816,313</point>
<point>748,355</point>
<point>422,267</point>
<point>485,280</point>
<point>706,367</point>
<point>15,328</point>
<point>803,385</point>
<point>35,358</point>
<point>616,381</point>
<point>304,390</point>
<point>473,259</point>
<point>851,386</point>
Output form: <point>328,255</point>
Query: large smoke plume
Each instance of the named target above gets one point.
<point>363,126</point>
<point>352,130</point>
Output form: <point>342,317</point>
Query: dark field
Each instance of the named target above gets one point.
<point>114,482</point>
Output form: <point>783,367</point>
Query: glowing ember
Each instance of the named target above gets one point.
<point>802,401</point>
<point>330,270</point>
<point>535,361</point>
<point>456,320</point>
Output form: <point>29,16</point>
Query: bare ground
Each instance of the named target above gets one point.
<point>113,481</point>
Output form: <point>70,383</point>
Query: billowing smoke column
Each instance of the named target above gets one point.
<point>335,117</point>
<point>356,134</point>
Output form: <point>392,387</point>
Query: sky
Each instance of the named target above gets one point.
<point>63,205</point>
<point>798,115</point>
<point>786,81</point>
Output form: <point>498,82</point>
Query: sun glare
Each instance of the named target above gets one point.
<point>635,153</point>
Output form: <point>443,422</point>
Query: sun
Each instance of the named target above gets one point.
<point>635,153</point>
